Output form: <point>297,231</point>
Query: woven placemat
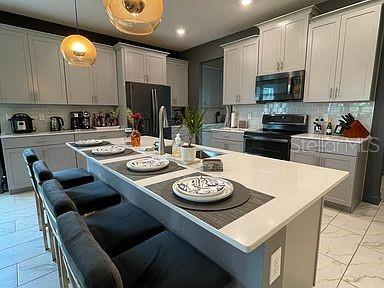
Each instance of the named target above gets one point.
<point>94,146</point>
<point>121,168</point>
<point>216,218</point>
<point>127,152</point>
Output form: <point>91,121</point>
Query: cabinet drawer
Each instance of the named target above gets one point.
<point>228,136</point>
<point>333,147</point>
<point>99,135</point>
<point>33,141</point>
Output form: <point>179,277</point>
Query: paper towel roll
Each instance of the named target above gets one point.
<point>233,120</point>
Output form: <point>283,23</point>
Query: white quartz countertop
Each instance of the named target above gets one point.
<point>231,130</point>
<point>63,132</point>
<point>295,187</point>
<point>335,138</point>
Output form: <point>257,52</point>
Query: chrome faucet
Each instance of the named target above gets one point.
<point>163,123</point>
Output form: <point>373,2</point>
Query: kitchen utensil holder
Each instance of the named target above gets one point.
<point>356,130</point>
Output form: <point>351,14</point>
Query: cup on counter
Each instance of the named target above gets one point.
<point>127,136</point>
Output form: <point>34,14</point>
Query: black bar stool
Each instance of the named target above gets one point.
<point>163,261</point>
<point>116,228</point>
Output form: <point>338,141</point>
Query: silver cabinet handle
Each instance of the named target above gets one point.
<point>281,65</point>
<point>330,93</point>
<point>336,92</point>
<point>278,66</point>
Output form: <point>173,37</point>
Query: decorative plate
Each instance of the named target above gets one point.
<point>86,143</point>
<point>203,188</point>
<point>147,164</point>
<point>108,150</point>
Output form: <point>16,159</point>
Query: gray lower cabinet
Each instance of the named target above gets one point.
<point>350,157</point>
<point>228,141</point>
<point>59,157</point>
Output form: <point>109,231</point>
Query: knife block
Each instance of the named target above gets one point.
<point>356,130</point>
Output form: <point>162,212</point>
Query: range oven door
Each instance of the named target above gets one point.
<point>280,87</point>
<point>278,148</point>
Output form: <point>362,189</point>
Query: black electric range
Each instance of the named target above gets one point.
<point>274,140</point>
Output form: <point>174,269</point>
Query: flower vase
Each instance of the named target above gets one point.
<point>135,137</point>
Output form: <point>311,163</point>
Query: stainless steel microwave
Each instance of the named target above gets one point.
<point>280,87</point>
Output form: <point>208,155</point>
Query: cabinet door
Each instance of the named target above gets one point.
<point>341,194</point>
<point>15,68</point>
<point>321,60</point>
<point>231,75</point>
<point>270,47</point>
<point>235,146</point>
<point>249,66</point>
<point>134,66</point>
<point>17,171</point>
<point>156,69</point>
<point>357,52</point>
<point>212,83</point>
<point>59,157</point>
<point>305,157</point>
<point>105,78</point>
<point>294,45</point>
<point>80,88</point>
<point>220,144</point>
<point>48,70</point>
<point>171,82</point>
<point>181,84</point>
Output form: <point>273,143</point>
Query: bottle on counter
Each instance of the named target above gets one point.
<point>329,127</point>
<point>176,146</point>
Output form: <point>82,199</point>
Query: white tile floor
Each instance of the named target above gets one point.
<point>351,247</point>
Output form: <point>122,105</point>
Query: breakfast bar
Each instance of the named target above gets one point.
<point>269,240</point>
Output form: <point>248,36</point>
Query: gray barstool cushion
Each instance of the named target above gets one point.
<point>30,156</point>
<point>165,261</point>
<point>93,196</point>
<point>73,177</point>
<point>41,172</point>
<point>57,201</point>
<point>122,227</point>
<point>91,266</point>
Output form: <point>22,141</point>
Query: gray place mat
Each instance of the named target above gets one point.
<point>121,168</point>
<point>127,152</point>
<point>95,146</point>
<point>221,218</point>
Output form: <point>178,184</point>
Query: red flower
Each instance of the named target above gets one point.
<point>136,116</point>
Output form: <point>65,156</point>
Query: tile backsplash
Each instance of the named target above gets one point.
<point>47,111</point>
<point>363,111</point>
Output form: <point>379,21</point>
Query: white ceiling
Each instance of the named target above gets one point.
<point>203,20</point>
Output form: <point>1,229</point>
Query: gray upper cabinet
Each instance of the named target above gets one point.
<point>105,77</point>
<point>80,89</point>
<point>47,70</point>
<point>15,68</point>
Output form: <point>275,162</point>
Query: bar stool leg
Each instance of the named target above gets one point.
<point>45,238</point>
<point>64,274</point>
<point>58,262</point>
<point>50,233</point>
<point>38,209</point>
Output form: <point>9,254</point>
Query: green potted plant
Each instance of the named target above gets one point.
<point>193,120</point>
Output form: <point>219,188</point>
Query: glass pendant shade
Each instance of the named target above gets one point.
<point>137,17</point>
<point>78,50</point>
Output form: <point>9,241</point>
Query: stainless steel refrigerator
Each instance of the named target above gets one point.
<point>147,100</point>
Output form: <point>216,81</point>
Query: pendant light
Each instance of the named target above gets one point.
<point>76,49</point>
<point>137,17</point>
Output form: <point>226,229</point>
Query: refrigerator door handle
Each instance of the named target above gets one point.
<point>157,112</point>
<point>153,122</point>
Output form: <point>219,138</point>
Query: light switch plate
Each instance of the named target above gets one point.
<point>8,116</point>
<point>41,117</point>
<point>275,266</point>
<point>249,116</point>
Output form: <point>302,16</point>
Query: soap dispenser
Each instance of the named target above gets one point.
<point>176,146</point>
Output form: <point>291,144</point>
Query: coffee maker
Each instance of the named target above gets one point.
<point>85,120</point>
<point>75,120</point>
<point>80,120</point>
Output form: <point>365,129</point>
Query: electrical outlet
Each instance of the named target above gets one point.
<point>41,117</point>
<point>275,266</point>
<point>249,116</point>
<point>8,116</point>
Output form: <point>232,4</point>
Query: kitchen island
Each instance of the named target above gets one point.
<point>284,229</point>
